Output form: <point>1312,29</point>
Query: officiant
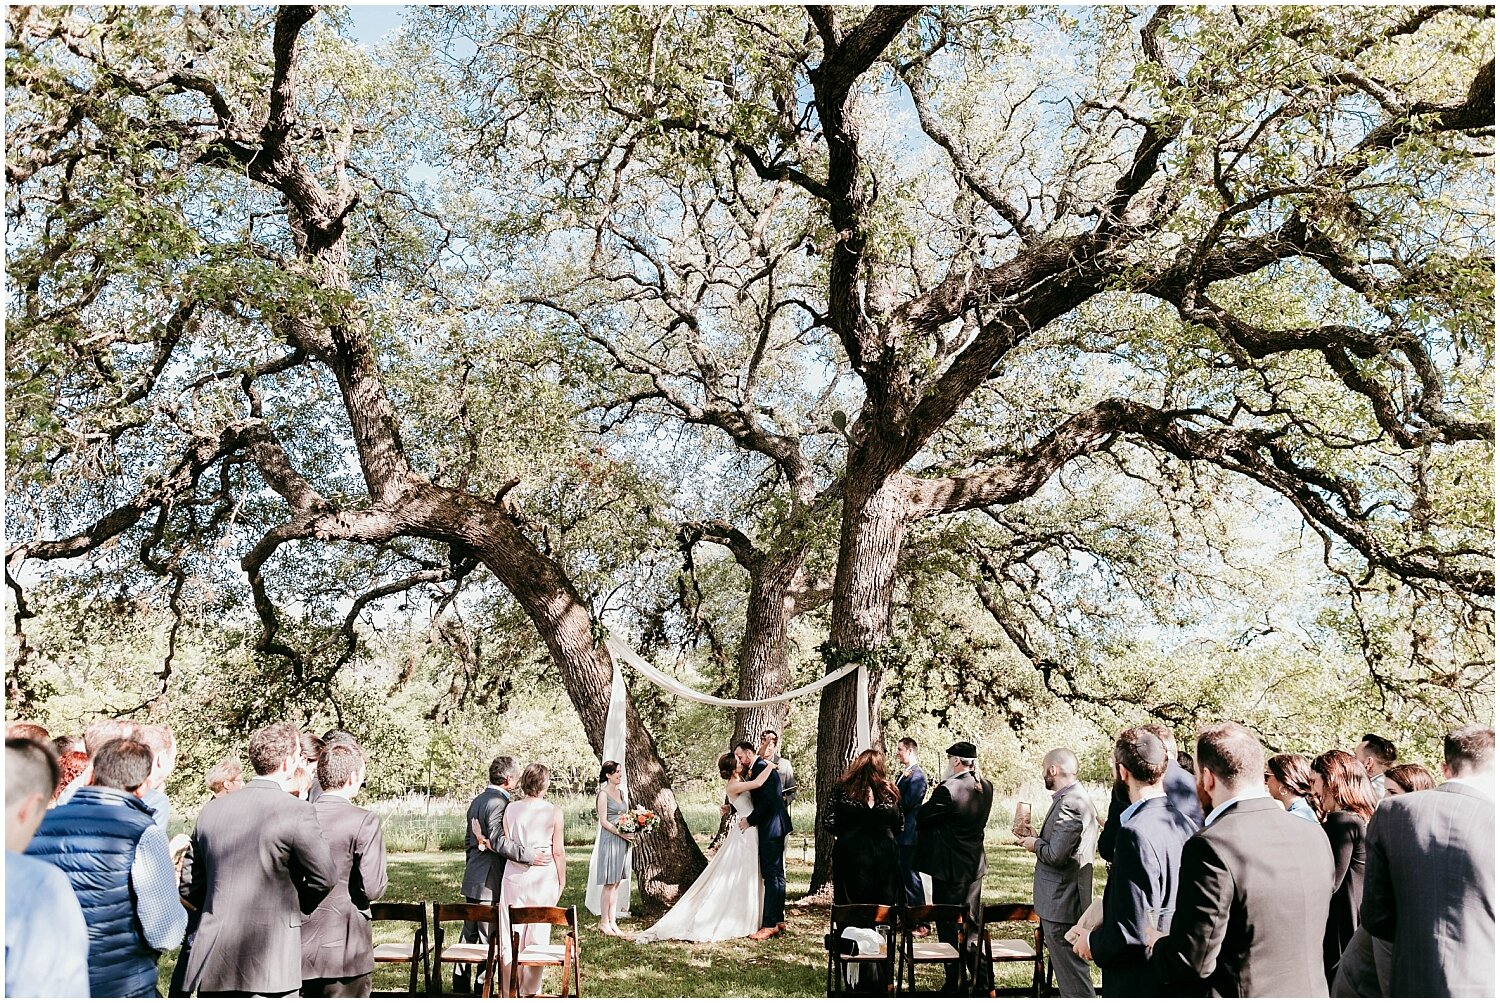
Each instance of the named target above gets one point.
<point>950,847</point>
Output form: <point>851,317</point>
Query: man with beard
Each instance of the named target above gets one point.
<point>1063,885</point>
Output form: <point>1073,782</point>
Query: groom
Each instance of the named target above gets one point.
<point>769,815</point>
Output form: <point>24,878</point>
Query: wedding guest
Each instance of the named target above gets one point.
<point>486,851</point>
<point>1142,883</point>
<point>1407,778</point>
<point>337,957</point>
<point>1289,781</point>
<point>1063,883</point>
<point>1180,787</point>
<point>1430,877</point>
<point>537,823</point>
<point>770,751</point>
<point>28,730</point>
<point>225,777</point>
<point>1252,891</point>
<point>106,842</point>
<point>69,768</point>
<point>950,847</point>
<point>163,745</point>
<point>259,862</point>
<point>614,845</point>
<point>65,744</point>
<point>46,939</point>
<point>1376,755</point>
<point>913,787</point>
<point>96,736</point>
<point>1185,760</point>
<point>864,815</point>
<point>1347,801</point>
<point>312,748</point>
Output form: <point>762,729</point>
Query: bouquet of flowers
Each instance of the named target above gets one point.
<point>639,820</point>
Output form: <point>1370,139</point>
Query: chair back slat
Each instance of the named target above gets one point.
<point>464,912</point>
<point>551,914</point>
<point>399,912</point>
<point>926,915</point>
<point>863,914</point>
<point>1010,912</point>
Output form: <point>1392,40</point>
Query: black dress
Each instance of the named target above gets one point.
<point>1346,836</point>
<point>865,856</point>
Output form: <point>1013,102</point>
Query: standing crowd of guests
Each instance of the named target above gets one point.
<point>269,897</point>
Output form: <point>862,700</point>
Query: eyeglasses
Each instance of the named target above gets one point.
<point>1268,776</point>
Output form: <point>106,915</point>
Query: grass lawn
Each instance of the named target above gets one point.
<point>792,965</point>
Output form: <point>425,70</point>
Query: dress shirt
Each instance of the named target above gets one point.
<point>1302,809</point>
<point>46,940</point>
<point>157,903</point>
<point>1128,812</point>
<point>161,809</point>
<point>1254,792</point>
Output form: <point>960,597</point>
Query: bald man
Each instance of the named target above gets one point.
<point>1063,885</point>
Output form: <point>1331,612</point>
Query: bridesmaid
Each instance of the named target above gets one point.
<point>614,845</point>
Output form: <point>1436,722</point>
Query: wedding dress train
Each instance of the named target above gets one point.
<point>725,902</point>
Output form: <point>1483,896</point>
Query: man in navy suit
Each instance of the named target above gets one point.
<point>913,788</point>
<point>1180,787</point>
<point>770,816</point>
<point>1143,878</point>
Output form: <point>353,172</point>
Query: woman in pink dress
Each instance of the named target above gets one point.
<point>535,822</point>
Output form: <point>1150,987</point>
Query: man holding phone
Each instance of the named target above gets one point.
<point>1063,884</point>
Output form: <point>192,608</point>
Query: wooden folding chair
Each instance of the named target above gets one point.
<point>417,954</point>
<point>869,916</point>
<point>564,955</point>
<point>1011,950</point>
<point>922,952</point>
<point>466,954</point>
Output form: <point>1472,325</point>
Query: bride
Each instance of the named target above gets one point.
<point>725,902</point>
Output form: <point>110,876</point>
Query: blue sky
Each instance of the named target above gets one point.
<point>373,21</point>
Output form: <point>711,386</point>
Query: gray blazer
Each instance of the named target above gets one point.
<point>1063,885</point>
<point>259,862</point>
<point>1430,889</point>
<point>483,869</point>
<point>336,935</point>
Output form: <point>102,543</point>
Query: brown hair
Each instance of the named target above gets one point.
<point>1142,753</point>
<point>1294,772</point>
<point>27,729</point>
<point>123,765</point>
<point>226,771</point>
<point>272,745</point>
<point>606,769</point>
<point>1346,785</point>
<point>1231,751</point>
<point>1410,777</point>
<point>727,765</point>
<point>866,773</point>
<point>534,780</point>
<point>1468,749</point>
<point>338,763</point>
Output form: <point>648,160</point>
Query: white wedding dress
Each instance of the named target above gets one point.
<point>725,902</point>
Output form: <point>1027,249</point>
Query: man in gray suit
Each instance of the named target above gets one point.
<point>1063,885</point>
<point>259,863</point>
<point>337,957</point>
<point>1430,876</point>
<point>486,850</point>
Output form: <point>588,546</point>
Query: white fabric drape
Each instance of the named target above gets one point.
<point>614,730</point>
<point>614,748</point>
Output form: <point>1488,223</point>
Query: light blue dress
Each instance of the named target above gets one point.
<point>1303,810</point>
<point>613,851</point>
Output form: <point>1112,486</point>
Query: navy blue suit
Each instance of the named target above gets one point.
<point>769,816</point>
<point>1142,882</point>
<point>913,788</point>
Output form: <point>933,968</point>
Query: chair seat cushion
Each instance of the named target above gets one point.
<point>1013,950</point>
<point>394,952</point>
<point>542,954</point>
<point>465,952</point>
<point>864,957</point>
<point>934,952</point>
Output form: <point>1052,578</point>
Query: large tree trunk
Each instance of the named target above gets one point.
<point>668,861</point>
<point>762,661</point>
<point>876,515</point>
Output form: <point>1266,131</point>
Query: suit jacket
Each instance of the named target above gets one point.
<point>336,935</point>
<point>913,788</point>
<point>484,869</point>
<point>1430,888</point>
<point>1252,901</point>
<point>950,829</point>
<point>259,862</point>
<point>1182,791</point>
<point>1063,885</point>
<point>768,808</point>
<point>1142,883</point>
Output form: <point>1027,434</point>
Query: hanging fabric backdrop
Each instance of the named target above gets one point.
<point>614,732</point>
